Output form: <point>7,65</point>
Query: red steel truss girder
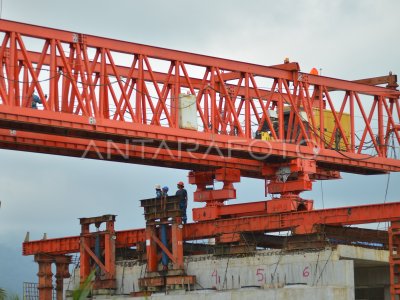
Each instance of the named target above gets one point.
<point>66,124</point>
<point>26,30</point>
<point>229,108</point>
<point>191,58</point>
<point>131,153</point>
<point>150,51</point>
<point>161,78</point>
<point>302,222</point>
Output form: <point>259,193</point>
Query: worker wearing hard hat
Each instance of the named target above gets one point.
<point>36,100</point>
<point>165,190</point>
<point>314,71</point>
<point>183,198</point>
<point>158,191</point>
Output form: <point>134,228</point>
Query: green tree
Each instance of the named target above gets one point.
<point>13,297</point>
<point>84,289</point>
<point>3,294</point>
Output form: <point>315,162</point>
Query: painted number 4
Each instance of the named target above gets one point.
<point>217,277</point>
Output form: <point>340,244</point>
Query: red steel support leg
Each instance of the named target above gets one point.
<point>62,264</point>
<point>177,245</point>
<point>84,256</point>
<point>214,199</point>
<point>105,280</point>
<point>151,250</point>
<point>45,276</point>
<point>109,245</point>
<point>394,260</point>
<point>289,179</point>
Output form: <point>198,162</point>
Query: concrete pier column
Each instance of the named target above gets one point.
<point>62,271</point>
<point>45,276</point>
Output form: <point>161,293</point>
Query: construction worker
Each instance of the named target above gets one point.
<point>158,191</point>
<point>182,194</point>
<point>36,100</point>
<point>164,195</point>
<point>165,191</point>
<point>314,71</point>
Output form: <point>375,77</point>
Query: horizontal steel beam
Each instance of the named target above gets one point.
<point>131,152</point>
<point>72,125</point>
<point>150,51</point>
<point>187,57</point>
<point>136,153</point>
<point>299,222</point>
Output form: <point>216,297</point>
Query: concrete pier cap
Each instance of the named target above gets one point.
<point>339,272</point>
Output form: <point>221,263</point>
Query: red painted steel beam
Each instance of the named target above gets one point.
<point>190,58</point>
<point>130,152</point>
<point>54,246</point>
<point>150,51</point>
<point>135,153</point>
<point>66,124</point>
<point>299,221</point>
<point>345,85</point>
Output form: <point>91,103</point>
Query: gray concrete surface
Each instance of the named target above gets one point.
<point>345,272</point>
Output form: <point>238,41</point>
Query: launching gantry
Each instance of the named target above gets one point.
<point>219,119</point>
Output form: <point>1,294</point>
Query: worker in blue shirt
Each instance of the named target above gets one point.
<point>164,195</point>
<point>183,199</point>
<point>165,191</point>
<point>36,100</point>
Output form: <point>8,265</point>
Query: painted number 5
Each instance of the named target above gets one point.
<point>260,275</point>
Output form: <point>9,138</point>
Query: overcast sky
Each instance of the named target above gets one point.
<point>42,193</point>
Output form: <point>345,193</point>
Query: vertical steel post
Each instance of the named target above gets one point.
<point>381,138</point>
<point>247,107</point>
<point>53,80</point>
<point>352,124</point>
<point>109,246</point>
<point>280,112</point>
<point>84,256</point>
<point>139,90</point>
<point>151,249</point>
<point>177,245</point>
<point>11,71</point>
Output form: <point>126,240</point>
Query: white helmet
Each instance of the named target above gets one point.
<point>157,187</point>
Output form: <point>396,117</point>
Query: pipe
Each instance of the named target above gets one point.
<point>97,251</point>
<point>164,240</point>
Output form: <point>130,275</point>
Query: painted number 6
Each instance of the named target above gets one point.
<point>306,272</point>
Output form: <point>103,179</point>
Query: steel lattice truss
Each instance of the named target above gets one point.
<point>107,99</point>
<point>104,89</point>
